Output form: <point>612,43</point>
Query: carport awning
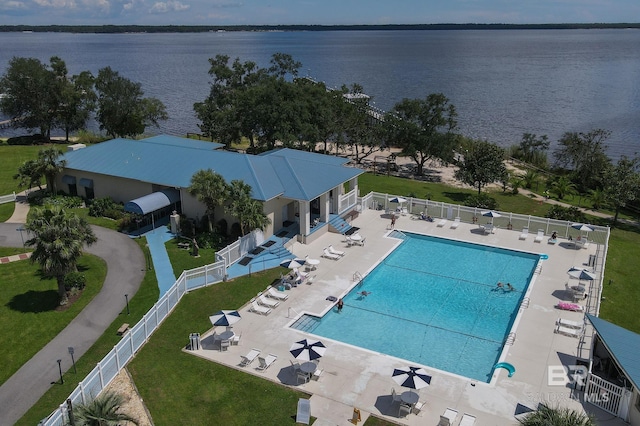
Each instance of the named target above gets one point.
<point>152,202</point>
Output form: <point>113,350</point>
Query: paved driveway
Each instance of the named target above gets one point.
<point>126,268</point>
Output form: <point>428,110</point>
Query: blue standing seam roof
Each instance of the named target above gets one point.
<point>170,162</point>
<point>623,344</point>
<point>152,202</point>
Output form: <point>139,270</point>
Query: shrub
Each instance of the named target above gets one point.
<point>87,137</point>
<point>482,201</point>
<point>74,280</point>
<point>106,207</point>
<point>36,139</point>
<point>571,214</point>
<point>63,200</point>
<point>210,240</point>
<point>236,231</point>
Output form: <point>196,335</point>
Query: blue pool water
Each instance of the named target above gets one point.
<point>435,302</point>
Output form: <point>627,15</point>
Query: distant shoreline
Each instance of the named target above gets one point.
<point>115,29</point>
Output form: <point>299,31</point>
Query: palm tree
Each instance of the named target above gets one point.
<point>102,411</point>
<point>248,211</point>
<point>563,187</point>
<point>58,239</point>
<point>546,416</point>
<point>529,178</point>
<point>597,197</point>
<point>50,165</point>
<point>210,189</point>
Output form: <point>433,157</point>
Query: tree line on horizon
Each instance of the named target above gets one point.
<point>113,29</point>
<point>273,107</point>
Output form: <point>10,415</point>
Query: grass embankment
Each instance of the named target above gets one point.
<point>178,387</point>
<point>11,158</point>
<point>139,304</point>
<point>28,303</point>
<point>6,211</point>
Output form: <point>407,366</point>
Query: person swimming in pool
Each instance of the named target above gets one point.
<point>364,293</point>
<point>510,287</point>
<point>340,305</point>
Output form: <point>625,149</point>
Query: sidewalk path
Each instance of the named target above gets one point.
<point>125,271</point>
<point>15,257</point>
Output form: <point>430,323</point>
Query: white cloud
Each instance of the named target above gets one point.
<point>12,5</point>
<point>169,6</point>
<point>57,4</point>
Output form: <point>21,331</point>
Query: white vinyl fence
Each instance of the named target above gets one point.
<point>7,198</point>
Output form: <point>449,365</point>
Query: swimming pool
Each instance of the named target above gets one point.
<point>435,302</point>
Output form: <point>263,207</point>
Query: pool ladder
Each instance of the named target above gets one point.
<point>511,338</point>
<point>538,269</point>
<point>357,277</point>
<point>525,303</point>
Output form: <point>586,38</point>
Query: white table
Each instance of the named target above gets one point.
<point>313,263</point>
<point>356,237</point>
<point>409,397</point>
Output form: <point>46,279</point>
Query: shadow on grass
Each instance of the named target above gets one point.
<point>456,197</point>
<point>34,301</point>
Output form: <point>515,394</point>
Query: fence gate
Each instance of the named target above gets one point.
<point>604,395</point>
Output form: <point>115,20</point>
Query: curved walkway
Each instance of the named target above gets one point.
<point>125,271</point>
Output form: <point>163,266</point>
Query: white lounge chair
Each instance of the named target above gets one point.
<point>303,415</point>
<point>327,254</point>
<point>571,332</point>
<point>569,323</point>
<point>266,302</point>
<point>266,362</point>
<point>488,228</point>
<point>336,252</point>
<point>417,408</point>
<point>524,234</point>
<point>455,223</point>
<point>467,420</point>
<point>540,236</point>
<point>262,310</point>
<point>360,242</point>
<point>272,292</point>
<point>448,417</point>
<point>248,359</point>
<point>441,223</point>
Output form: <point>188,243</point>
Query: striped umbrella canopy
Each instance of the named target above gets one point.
<point>307,350</point>
<point>581,274</point>
<point>398,200</point>
<point>411,377</point>
<point>582,227</point>
<point>225,318</point>
<point>292,263</point>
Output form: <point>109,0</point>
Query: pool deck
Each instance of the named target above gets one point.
<point>354,377</point>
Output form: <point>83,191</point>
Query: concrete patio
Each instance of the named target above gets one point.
<point>356,378</point>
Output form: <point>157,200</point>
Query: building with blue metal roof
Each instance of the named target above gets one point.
<point>294,186</point>
<point>616,362</point>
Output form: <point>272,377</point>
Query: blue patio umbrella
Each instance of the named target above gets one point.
<point>491,214</point>
<point>225,318</point>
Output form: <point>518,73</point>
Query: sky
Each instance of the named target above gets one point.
<point>314,12</point>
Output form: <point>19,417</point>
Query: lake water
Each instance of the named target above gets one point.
<point>503,83</point>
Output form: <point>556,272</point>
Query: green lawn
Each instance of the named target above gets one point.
<point>144,299</point>
<point>182,260</point>
<point>28,305</point>
<point>6,211</point>
<point>12,157</point>
<point>177,386</point>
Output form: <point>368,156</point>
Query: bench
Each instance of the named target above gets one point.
<point>184,246</point>
<point>123,329</point>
